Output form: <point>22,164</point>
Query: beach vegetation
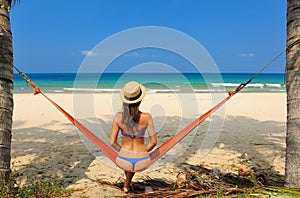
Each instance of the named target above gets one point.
<point>35,187</point>
<point>198,181</point>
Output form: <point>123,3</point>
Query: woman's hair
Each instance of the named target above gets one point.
<point>131,115</point>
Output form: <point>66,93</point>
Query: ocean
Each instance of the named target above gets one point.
<point>155,82</point>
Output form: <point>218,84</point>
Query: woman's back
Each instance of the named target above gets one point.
<point>134,140</point>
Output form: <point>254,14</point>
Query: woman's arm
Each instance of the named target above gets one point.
<point>114,135</point>
<point>152,135</point>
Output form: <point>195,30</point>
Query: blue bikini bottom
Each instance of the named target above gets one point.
<point>133,161</point>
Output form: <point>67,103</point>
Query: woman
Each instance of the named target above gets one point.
<point>133,154</point>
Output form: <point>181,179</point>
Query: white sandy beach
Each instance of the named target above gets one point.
<point>46,145</point>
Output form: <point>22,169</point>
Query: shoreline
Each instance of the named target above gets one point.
<point>45,144</point>
<point>155,82</point>
<point>157,92</point>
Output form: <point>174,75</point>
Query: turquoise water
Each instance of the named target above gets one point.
<point>155,82</point>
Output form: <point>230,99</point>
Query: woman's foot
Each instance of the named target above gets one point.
<point>125,189</point>
<point>127,182</point>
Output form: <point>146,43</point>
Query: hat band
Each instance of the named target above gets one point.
<point>133,98</point>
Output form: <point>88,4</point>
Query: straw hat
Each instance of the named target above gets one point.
<point>132,92</point>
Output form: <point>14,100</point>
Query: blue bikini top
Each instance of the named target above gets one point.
<point>132,135</point>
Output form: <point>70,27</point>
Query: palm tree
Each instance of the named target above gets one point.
<point>6,89</point>
<point>292,167</point>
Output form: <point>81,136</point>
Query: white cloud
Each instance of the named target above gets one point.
<point>89,53</point>
<point>246,54</point>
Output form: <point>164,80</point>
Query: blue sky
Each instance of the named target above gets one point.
<point>240,35</point>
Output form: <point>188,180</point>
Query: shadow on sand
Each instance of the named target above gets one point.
<point>44,153</point>
<point>260,145</point>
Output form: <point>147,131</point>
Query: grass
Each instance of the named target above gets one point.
<point>44,188</point>
<point>270,191</point>
<point>287,192</point>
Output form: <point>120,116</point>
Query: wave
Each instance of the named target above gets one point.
<point>111,90</point>
<point>58,91</point>
<point>273,85</point>
<point>162,90</point>
<point>253,85</point>
<point>260,85</point>
<point>225,84</point>
<point>107,90</point>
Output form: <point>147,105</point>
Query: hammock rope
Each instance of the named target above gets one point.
<point>166,146</point>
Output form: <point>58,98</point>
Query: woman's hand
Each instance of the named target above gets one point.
<point>152,134</point>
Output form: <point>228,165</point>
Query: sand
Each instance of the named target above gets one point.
<point>249,130</point>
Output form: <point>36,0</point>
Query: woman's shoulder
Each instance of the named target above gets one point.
<point>118,115</point>
<point>146,115</point>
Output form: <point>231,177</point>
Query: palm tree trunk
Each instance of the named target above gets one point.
<point>292,168</point>
<point>6,89</point>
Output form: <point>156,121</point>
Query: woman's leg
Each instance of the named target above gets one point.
<point>129,176</point>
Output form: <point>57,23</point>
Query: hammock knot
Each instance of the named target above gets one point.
<point>37,90</point>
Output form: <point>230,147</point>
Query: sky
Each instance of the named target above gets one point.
<point>241,36</point>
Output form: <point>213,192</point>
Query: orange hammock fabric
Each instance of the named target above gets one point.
<point>110,152</point>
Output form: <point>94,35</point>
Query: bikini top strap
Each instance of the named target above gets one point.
<point>132,135</point>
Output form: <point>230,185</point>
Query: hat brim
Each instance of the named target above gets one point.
<point>143,94</point>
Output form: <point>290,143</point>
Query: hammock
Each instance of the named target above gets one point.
<point>112,154</point>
